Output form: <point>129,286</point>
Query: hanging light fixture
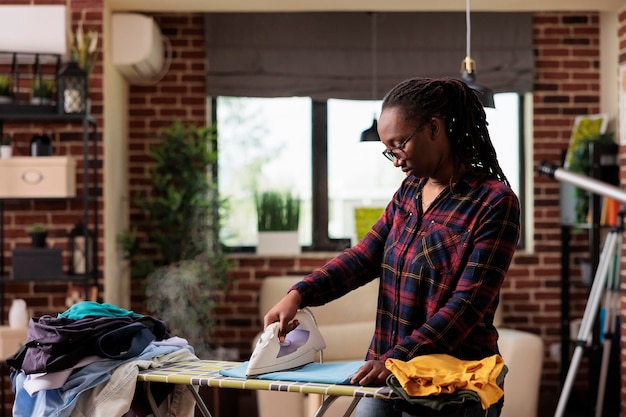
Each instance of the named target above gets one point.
<point>371,134</point>
<point>468,66</point>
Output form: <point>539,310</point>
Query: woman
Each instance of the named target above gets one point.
<point>441,248</point>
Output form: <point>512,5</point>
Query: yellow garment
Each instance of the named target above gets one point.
<point>444,374</point>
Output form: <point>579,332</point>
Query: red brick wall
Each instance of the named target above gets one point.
<point>180,95</point>
<point>566,85</point>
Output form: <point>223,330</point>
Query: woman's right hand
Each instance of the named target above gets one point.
<point>283,312</point>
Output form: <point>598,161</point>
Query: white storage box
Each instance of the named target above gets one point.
<point>42,176</point>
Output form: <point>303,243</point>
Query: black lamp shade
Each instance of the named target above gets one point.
<point>485,95</point>
<point>371,133</point>
<point>72,89</point>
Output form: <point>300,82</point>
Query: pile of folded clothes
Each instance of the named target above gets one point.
<point>85,362</point>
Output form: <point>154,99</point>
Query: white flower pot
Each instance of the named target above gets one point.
<point>278,243</point>
<point>6,151</point>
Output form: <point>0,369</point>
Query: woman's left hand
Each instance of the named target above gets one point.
<point>372,373</point>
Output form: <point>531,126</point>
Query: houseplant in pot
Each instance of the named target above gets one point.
<point>278,216</point>
<point>38,233</point>
<point>42,91</point>
<point>6,89</point>
<point>184,264</point>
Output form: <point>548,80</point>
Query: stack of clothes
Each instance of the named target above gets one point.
<point>85,363</point>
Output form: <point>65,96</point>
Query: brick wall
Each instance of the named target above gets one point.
<point>566,85</point>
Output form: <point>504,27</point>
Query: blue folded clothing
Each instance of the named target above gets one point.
<point>326,373</point>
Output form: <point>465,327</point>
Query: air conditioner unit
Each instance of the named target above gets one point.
<point>137,48</point>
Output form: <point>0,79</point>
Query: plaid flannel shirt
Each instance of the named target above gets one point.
<point>440,271</point>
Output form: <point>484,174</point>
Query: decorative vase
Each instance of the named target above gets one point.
<point>18,314</point>
<point>41,145</point>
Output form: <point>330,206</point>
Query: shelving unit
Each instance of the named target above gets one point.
<point>22,113</point>
<point>604,167</point>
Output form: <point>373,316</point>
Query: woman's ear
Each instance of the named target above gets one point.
<point>436,126</point>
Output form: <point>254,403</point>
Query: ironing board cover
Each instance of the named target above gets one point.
<point>207,373</point>
<point>329,373</point>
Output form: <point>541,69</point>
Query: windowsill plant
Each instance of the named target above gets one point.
<point>278,217</point>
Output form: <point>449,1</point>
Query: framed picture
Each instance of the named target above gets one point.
<point>585,127</point>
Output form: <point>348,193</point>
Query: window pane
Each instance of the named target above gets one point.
<point>358,175</point>
<point>264,143</point>
<point>504,129</point>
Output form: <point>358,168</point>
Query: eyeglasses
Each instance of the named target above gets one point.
<point>398,151</point>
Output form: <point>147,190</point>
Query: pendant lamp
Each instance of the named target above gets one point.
<point>468,66</point>
<point>371,134</point>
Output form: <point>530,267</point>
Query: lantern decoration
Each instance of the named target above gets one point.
<point>80,248</point>
<point>72,89</point>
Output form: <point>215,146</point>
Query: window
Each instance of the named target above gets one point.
<point>264,143</point>
<point>312,148</point>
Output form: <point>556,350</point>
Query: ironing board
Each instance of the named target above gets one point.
<point>206,373</point>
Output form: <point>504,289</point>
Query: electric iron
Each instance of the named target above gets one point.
<point>299,348</point>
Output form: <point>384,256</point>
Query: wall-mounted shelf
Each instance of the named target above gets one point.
<point>23,113</point>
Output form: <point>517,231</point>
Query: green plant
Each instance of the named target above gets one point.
<point>277,211</point>
<point>6,85</point>
<point>37,228</point>
<point>6,140</point>
<point>181,223</point>
<point>42,88</point>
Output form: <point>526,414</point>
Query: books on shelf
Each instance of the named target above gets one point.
<point>609,211</point>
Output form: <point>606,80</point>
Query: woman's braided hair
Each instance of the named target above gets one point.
<point>452,100</point>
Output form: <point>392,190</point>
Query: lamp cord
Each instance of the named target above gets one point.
<point>374,57</point>
<point>468,30</point>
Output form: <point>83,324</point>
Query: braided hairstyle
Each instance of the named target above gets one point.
<point>452,100</point>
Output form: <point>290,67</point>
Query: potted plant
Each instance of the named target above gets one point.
<point>6,147</point>
<point>43,91</point>
<point>180,222</point>
<point>84,48</point>
<point>6,89</point>
<point>278,217</point>
<point>38,233</point>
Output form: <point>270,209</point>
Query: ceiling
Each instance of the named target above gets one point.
<point>361,5</point>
